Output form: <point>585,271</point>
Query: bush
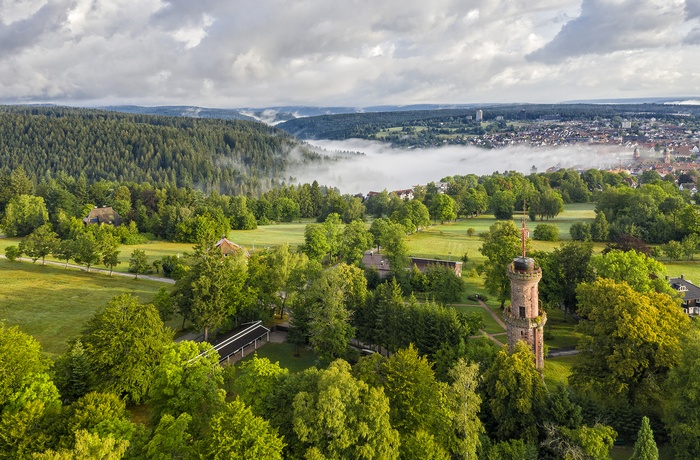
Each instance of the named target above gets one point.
<point>477,297</point>
<point>580,231</point>
<point>12,253</point>
<point>546,232</point>
<point>471,231</point>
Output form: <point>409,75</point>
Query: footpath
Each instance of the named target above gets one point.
<point>158,279</point>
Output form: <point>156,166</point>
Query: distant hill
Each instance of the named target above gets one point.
<point>232,156</point>
<point>367,125</point>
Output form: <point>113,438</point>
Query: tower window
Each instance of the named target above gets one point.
<point>522,312</point>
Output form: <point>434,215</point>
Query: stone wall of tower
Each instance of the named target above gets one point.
<point>523,318</point>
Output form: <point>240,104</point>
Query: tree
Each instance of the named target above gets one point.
<point>72,373</point>
<point>690,245</point>
<point>673,250</point>
<point>466,404</point>
<point>682,417</point>
<point>343,417</point>
<point>513,395</point>
<point>86,249</point>
<point>315,242</point>
<point>503,204</point>
<point>414,211</point>
<point>138,262</point>
<point>443,283</point>
<point>356,240</point>
<point>124,343</point>
<point>235,432</point>
<point>20,359</point>
<point>600,229</point>
<point>24,214</point>
<point>89,445</point>
<point>330,301</point>
<point>630,340</point>
<point>580,231</point>
<point>443,208</point>
<point>40,243</point>
<point>213,290</point>
<point>563,270</point>
<point>65,250</point>
<point>286,209</point>
<point>502,243</point>
<point>546,232</point>
<point>641,272</point>
<point>171,439</point>
<point>645,447</point>
<point>256,380</point>
<point>333,230</point>
<point>395,247</point>
<point>12,253</point>
<point>187,380</point>
<point>417,400</point>
<point>109,247</point>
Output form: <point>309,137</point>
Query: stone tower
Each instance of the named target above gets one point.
<point>524,319</point>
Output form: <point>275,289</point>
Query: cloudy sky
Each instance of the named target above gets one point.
<point>257,53</point>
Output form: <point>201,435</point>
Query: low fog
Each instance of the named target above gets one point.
<point>374,166</point>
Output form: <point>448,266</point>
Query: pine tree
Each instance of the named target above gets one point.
<point>645,447</point>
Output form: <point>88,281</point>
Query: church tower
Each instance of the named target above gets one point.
<point>524,319</point>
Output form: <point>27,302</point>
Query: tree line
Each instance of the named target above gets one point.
<point>230,156</point>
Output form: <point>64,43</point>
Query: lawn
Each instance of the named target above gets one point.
<point>557,369</point>
<point>490,324</point>
<point>559,333</point>
<point>52,304</point>
<point>284,354</point>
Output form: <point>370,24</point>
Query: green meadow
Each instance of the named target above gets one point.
<point>52,304</point>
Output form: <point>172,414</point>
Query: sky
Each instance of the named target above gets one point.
<point>262,53</point>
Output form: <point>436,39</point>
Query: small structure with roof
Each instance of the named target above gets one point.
<point>690,294</point>
<point>103,215</point>
<point>228,247</point>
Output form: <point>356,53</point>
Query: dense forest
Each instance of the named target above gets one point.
<point>230,156</point>
<point>429,390</point>
<point>366,125</point>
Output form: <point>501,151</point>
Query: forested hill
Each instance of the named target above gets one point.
<point>368,124</point>
<point>231,156</point>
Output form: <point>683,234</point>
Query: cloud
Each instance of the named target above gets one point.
<point>381,167</point>
<point>606,26</point>
<point>258,53</point>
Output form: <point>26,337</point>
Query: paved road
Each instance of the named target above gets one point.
<point>159,279</point>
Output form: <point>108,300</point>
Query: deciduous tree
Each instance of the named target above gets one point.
<point>124,343</point>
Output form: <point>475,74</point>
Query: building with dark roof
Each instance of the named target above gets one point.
<point>103,215</point>
<point>690,293</point>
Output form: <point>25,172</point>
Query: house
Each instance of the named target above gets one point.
<point>406,194</point>
<point>103,215</point>
<point>380,263</point>
<point>690,293</point>
<point>423,264</point>
<point>229,247</point>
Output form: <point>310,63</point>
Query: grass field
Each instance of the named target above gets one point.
<point>284,354</point>
<point>557,369</point>
<point>52,304</point>
<point>490,324</point>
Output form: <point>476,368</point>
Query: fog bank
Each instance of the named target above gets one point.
<point>382,167</point>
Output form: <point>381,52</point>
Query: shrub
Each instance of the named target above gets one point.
<point>580,231</point>
<point>546,232</point>
<point>477,297</point>
<point>12,253</point>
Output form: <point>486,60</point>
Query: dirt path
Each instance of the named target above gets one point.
<point>494,316</point>
<point>102,271</point>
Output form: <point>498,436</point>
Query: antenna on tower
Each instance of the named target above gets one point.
<point>523,230</point>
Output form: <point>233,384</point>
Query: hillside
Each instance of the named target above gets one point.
<point>231,156</point>
<point>367,125</point>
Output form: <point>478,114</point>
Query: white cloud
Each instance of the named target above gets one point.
<point>357,52</point>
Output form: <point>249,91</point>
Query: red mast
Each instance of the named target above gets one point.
<point>523,230</point>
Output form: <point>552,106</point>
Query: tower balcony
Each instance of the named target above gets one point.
<point>518,321</point>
